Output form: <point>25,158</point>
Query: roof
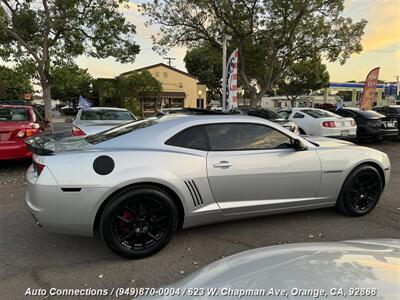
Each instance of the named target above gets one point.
<point>14,106</point>
<point>104,108</point>
<point>160,65</point>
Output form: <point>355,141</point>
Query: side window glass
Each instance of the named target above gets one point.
<point>298,116</point>
<point>244,136</point>
<point>192,138</point>
<point>284,114</point>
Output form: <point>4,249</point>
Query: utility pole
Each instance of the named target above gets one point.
<point>169,60</point>
<point>224,43</point>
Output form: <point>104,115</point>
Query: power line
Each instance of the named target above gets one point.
<point>169,60</point>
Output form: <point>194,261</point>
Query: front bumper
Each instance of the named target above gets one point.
<point>61,212</point>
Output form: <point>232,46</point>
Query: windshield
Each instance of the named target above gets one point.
<point>319,113</point>
<point>104,114</point>
<point>118,131</point>
<point>14,114</point>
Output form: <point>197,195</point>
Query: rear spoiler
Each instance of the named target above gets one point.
<point>41,144</point>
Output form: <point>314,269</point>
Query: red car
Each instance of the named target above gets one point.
<point>18,122</point>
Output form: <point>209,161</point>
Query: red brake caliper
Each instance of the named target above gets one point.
<point>127,215</point>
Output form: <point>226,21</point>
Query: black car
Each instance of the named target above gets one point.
<point>268,115</point>
<point>370,124</point>
<point>392,112</point>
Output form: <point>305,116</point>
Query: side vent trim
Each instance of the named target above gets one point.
<point>194,192</point>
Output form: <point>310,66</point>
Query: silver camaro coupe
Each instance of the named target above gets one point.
<point>140,182</point>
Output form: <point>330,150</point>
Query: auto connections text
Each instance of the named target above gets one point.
<point>208,292</point>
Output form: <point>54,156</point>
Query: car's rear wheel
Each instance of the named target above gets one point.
<point>139,222</point>
<point>361,191</point>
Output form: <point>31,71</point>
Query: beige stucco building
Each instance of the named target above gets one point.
<point>180,89</point>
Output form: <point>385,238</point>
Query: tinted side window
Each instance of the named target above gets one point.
<point>245,137</point>
<point>345,113</point>
<point>193,138</point>
<point>298,116</point>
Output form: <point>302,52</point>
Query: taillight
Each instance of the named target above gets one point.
<point>26,132</point>
<point>329,124</point>
<point>353,123</point>
<point>76,131</point>
<point>38,167</point>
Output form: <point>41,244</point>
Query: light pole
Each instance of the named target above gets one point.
<point>226,38</point>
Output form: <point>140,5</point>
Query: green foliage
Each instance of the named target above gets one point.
<point>13,84</point>
<point>68,82</point>
<point>52,33</point>
<point>302,78</point>
<point>127,91</point>
<point>204,62</point>
<point>271,34</point>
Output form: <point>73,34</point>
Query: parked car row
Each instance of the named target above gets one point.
<point>344,123</point>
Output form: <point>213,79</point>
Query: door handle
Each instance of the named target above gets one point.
<point>222,164</point>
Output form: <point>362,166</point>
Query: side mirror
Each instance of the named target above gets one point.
<point>298,145</point>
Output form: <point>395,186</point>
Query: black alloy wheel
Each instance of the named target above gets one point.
<point>139,222</point>
<point>361,191</point>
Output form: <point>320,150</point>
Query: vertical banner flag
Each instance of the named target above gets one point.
<point>369,89</point>
<point>232,73</point>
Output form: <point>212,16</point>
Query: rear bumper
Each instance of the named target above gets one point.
<point>61,212</point>
<point>14,150</point>
<point>378,133</point>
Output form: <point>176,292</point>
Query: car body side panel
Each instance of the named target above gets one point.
<point>259,180</point>
<point>163,168</point>
<point>337,165</point>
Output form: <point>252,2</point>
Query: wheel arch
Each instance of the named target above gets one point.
<point>168,190</point>
<point>376,165</point>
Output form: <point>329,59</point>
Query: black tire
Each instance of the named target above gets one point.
<point>302,131</point>
<point>138,222</point>
<point>360,192</point>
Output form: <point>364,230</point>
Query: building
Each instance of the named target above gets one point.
<point>179,89</point>
<point>277,102</point>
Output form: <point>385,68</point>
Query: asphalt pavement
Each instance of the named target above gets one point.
<point>32,258</point>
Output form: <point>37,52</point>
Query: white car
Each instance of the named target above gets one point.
<point>319,122</point>
<point>96,119</point>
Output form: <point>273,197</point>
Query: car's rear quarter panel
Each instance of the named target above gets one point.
<point>75,170</point>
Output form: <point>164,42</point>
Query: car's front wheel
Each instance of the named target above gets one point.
<point>361,191</point>
<point>139,222</point>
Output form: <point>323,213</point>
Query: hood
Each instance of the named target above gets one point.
<point>308,266</point>
<point>327,142</point>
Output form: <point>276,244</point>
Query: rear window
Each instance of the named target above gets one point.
<point>118,131</point>
<point>265,114</point>
<point>14,114</point>
<point>318,113</point>
<point>93,115</point>
<point>369,113</point>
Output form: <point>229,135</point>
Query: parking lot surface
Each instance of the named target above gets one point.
<point>32,258</point>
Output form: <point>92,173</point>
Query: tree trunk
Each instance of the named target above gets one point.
<point>47,103</point>
<point>253,98</point>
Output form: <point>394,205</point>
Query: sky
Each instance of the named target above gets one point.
<point>381,44</point>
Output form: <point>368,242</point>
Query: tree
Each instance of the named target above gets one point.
<point>270,34</point>
<point>302,78</point>
<point>47,33</point>
<point>127,91</point>
<point>204,62</point>
<point>13,84</point>
<point>136,86</point>
<point>68,82</point>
